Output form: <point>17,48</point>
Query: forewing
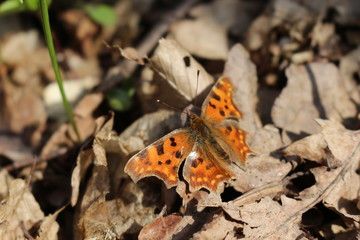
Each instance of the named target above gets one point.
<point>219,104</point>
<point>202,170</point>
<point>161,159</point>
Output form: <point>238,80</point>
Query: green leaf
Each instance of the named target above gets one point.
<point>11,6</point>
<point>14,6</point>
<point>101,13</point>
<point>120,99</point>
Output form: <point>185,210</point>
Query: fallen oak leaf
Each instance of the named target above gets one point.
<point>259,219</point>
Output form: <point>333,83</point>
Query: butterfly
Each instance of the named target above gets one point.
<point>208,146</point>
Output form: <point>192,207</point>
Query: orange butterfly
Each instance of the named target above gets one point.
<point>208,146</point>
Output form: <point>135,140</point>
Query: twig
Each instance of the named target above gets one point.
<point>125,68</point>
<point>34,161</point>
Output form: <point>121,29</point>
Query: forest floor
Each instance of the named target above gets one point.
<point>291,170</point>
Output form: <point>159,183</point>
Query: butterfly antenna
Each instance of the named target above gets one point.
<point>197,85</point>
<point>169,106</point>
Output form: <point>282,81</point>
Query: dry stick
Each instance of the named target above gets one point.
<point>35,160</point>
<point>125,68</point>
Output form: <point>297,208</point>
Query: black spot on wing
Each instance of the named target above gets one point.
<point>168,162</point>
<point>215,96</point>
<point>178,154</point>
<point>222,113</point>
<point>160,148</point>
<point>212,105</point>
<point>209,166</point>
<point>229,128</point>
<point>173,143</point>
<point>194,164</point>
<point>159,162</point>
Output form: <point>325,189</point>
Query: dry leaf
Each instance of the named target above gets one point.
<point>75,89</point>
<point>242,73</point>
<point>259,219</point>
<point>202,37</point>
<point>164,227</point>
<point>338,187</point>
<point>148,129</point>
<point>18,207</point>
<point>49,227</point>
<point>99,217</point>
<point>349,67</point>
<point>219,227</point>
<point>260,170</point>
<point>312,91</point>
<point>65,137</point>
<point>179,69</point>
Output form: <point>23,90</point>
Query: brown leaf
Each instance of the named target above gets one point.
<point>349,67</point>
<point>179,69</point>
<point>18,207</point>
<point>49,227</point>
<point>193,35</point>
<point>259,219</point>
<point>337,187</point>
<point>163,227</point>
<point>260,170</point>
<point>148,129</point>
<point>219,227</point>
<point>242,73</point>
<point>312,91</point>
<point>65,137</point>
<point>97,216</point>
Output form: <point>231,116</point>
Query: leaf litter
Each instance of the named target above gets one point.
<point>304,172</point>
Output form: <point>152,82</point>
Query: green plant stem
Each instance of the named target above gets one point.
<point>50,44</point>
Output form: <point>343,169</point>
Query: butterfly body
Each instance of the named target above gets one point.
<point>208,146</point>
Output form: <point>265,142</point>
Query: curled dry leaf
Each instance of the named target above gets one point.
<point>49,227</point>
<point>18,207</point>
<point>99,217</point>
<point>175,65</point>
<point>337,187</point>
<point>132,54</point>
<point>312,91</point>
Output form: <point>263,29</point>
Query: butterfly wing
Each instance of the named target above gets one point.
<point>161,159</point>
<point>218,110</point>
<point>235,138</point>
<point>202,170</point>
<point>219,104</point>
